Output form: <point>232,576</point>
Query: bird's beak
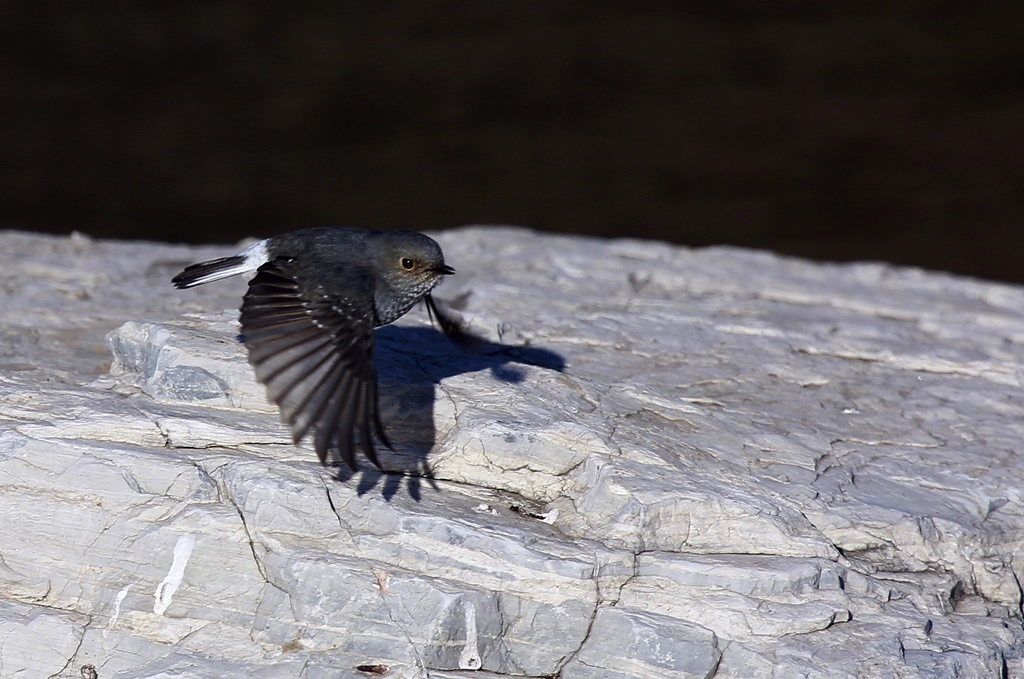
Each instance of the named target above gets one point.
<point>445,269</point>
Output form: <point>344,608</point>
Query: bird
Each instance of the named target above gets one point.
<point>308,319</point>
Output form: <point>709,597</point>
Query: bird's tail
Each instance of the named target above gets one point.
<point>214,270</point>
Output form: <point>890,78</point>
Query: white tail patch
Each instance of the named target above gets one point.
<point>256,255</point>
<point>247,261</point>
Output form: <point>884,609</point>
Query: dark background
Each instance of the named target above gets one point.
<point>834,130</point>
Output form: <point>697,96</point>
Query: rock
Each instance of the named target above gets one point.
<point>669,463</point>
<point>625,642</point>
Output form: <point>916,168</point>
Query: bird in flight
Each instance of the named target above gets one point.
<point>308,319</point>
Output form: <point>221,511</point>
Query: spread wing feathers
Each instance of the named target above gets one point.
<point>314,353</point>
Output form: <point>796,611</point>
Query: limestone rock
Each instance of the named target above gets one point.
<point>668,463</point>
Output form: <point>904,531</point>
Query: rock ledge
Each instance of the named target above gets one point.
<point>680,463</point>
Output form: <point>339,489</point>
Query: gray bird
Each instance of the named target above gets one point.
<point>308,319</point>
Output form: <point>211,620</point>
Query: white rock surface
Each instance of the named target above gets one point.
<point>697,463</point>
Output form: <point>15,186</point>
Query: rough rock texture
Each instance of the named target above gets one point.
<point>710,463</point>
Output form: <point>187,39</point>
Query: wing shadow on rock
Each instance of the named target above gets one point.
<point>411,362</point>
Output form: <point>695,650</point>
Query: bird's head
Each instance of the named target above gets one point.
<point>411,262</point>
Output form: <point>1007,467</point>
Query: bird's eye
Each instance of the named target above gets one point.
<point>407,263</point>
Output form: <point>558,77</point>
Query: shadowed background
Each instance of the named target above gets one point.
<point>840,130</point>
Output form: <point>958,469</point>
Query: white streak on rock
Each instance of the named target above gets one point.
<point>117,609</point>
<point>469,659</point>
<point>165,590</point>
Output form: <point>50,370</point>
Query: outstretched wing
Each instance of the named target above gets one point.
<point>313,350</point>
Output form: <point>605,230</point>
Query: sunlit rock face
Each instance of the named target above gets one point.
<point>666,463</point>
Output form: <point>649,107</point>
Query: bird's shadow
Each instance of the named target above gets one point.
<point>411,362</point>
